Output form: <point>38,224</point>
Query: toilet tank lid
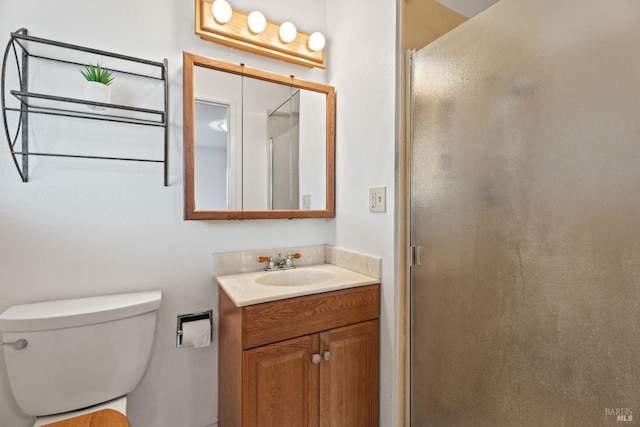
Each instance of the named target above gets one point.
<point>69,313</point>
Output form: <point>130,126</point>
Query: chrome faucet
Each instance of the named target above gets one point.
<point>280,263</point>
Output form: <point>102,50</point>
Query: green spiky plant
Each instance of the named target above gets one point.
<point>97,73</point>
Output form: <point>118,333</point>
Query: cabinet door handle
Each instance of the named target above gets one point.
<point>315,358</point>
<point>326,355</point>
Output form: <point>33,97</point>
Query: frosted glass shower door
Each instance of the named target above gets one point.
<point>525,199</point>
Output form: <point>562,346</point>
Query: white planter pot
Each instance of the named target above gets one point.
<point>97,92</point>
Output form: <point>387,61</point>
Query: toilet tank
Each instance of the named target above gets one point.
<point>80,352</point>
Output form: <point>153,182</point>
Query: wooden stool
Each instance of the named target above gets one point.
<point>103,418</point>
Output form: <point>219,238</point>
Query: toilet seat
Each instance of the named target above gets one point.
<point>113,412</point>
<point>102,418</point>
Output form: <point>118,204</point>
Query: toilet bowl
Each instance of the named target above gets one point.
<point>78,357</point>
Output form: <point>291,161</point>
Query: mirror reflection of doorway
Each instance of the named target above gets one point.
<point>211,167</point>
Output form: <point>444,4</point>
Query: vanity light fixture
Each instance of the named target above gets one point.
<point>221,11</point>
<point>256,22</point>
<point>218,22</point>
<point>287,32</point>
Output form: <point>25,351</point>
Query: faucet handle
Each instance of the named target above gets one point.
<point>289,260</point>
<point>268,259</point>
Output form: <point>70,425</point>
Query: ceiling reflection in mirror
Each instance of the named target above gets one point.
<point>257,144</point>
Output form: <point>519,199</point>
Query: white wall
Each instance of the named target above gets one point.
<point>466,7</point>
<point>365,154</point>
<point>83,227</point>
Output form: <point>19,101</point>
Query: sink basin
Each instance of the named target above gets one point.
<point>256,287</point>
<point>294,277</point>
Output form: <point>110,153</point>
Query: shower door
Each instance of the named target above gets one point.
<point>525,200</point>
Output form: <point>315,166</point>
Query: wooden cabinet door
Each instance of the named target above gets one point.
<point>349,379</point>
<point>280,384</point>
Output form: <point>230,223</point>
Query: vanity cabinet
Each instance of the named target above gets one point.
<point>304,361</point>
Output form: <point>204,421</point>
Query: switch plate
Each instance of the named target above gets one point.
<point>306,202</point>
<point>378,199</point>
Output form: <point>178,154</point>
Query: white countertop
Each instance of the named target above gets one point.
<point>244,290</point>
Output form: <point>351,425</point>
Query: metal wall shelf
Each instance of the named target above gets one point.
<point>46,104</point>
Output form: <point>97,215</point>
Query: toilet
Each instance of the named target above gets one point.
<point>72,362</point>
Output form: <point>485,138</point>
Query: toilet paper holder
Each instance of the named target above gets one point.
<point>192,317</point>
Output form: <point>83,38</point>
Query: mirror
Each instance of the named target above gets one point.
<point>256,144</point>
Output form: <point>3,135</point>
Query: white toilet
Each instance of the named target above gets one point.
<point>73,357</point>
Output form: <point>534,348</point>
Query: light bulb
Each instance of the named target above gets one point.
<point>256,21</point>
<point>288,32</point>
<point>316,42</point>
<point>221,11</point>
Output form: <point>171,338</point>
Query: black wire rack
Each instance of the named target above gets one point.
<point>18,48</point>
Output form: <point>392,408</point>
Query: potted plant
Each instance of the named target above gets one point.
<point>97,85</point>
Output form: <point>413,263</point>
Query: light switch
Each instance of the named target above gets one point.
<point>378,199</point>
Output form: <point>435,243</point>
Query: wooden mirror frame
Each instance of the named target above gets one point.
<point>190,61</point>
